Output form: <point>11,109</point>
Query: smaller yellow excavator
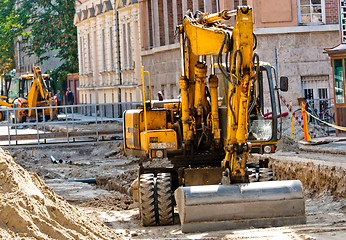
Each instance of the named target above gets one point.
<point>32,90</point>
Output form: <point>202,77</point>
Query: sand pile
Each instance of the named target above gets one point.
<point>30,209</point>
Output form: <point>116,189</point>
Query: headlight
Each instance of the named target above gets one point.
<point>159,154</point>
<point>267,149</point>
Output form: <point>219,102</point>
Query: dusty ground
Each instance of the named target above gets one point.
<point>108,198</point>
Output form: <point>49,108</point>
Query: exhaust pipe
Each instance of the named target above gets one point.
<point>238,206</point>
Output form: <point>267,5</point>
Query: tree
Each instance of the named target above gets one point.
<point>52,28</point>
<point>11,25</point>
<point>43,25</point>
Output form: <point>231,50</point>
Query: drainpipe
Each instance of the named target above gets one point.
<point>117,39</point>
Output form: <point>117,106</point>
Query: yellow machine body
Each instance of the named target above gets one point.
<point>37,96</point>
<point>157,137</point>
<point>214,185</point>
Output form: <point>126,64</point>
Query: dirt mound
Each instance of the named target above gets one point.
<point>287,144</point>
<point>115,201</point>
<point>30,209</point>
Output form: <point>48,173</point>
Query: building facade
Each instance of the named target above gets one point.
<point>298,29</point>
<point>115,38</point>
<point>24,62</point>
<point>109,65</point>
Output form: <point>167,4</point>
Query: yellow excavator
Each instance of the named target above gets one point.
<point>32,90</point>
<point>211,181</point>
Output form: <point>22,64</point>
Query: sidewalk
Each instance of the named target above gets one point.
<point>331,145</point>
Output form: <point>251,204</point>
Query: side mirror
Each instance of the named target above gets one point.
<point>284,84</point>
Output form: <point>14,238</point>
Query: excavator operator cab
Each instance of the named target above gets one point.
<point>264,110</point>
<point>9,88</point>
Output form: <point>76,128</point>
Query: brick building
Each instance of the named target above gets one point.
<point>299,29</point>
<point>109,60</point>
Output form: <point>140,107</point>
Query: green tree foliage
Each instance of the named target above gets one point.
<point>44,25</point>
<point>11,25</point>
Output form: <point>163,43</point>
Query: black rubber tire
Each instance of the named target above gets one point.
<point>165,199</point>
<point>147,199</point>
<point>266,174</point>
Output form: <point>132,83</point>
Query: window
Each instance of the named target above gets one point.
<point>311,12</point>
<point>104,51</point>
<point>124,48</point>
<point>81,55</point>
<point>130,63</point>
<point>339,81</point>
<point>315,91</point>
<point>111,46</point>
<point>89,53</point>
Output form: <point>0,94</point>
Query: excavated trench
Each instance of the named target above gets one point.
<point>317,179</point>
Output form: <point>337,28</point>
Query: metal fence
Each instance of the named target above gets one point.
<point>66,128</point>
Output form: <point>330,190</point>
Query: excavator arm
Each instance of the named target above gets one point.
<point>38,89</point>
<point>206,36</point>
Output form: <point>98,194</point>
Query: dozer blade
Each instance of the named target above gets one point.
<point>222,207</point>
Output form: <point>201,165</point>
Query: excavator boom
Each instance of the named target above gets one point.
<point>240,205</point>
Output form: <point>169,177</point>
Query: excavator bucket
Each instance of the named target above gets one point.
<point>245,205</point>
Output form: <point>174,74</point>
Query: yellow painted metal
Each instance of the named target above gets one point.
<point>200,75</point>
<point>191,60</point>
<point>214,17</point>
<point>164,137</point>
<point>237,131</point>
<point>144,105</point>
<point>38,96</point>
<point>6,104</point>
<point>261,143</point>
<point>213,84</point>
<point>38,91</point>
<point>131,127</point>
<point>156,119</point>
<point>204,41</point>
<point>185,111</point>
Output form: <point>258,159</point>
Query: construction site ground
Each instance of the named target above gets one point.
<point>96,178</point>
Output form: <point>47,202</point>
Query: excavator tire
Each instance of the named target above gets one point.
<point>147,199</point>
<point>165,199</point>
<point>266,174</point>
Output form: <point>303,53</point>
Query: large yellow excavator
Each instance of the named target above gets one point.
<point>32,90</point>
<point>211,181</point>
